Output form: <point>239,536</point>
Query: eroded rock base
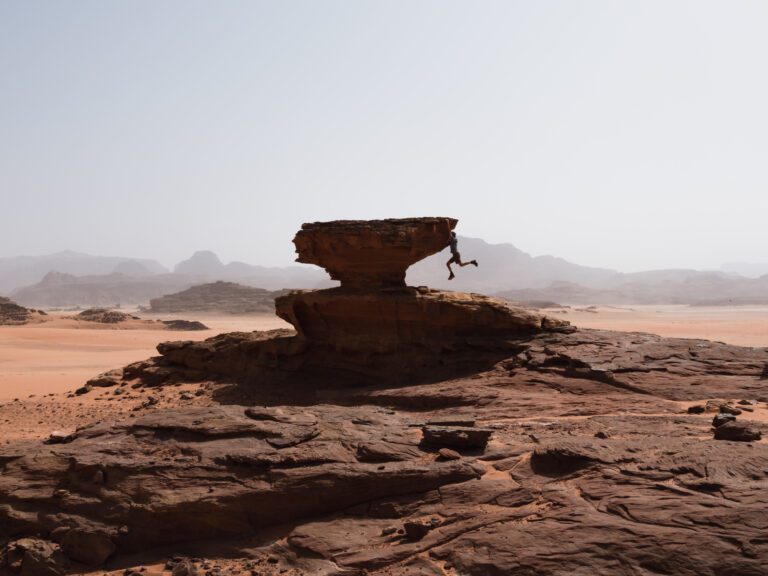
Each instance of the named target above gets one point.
<point>589,464</point>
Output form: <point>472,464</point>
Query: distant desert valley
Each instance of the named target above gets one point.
<point>358,413</point>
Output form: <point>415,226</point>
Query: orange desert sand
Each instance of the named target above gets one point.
<point>43,363</point>
<point>739,325</point>
<point>60,355</point>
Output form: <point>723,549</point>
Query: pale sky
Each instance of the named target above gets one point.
<point>629,135</point>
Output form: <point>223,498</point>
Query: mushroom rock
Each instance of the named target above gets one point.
<point>373,327</point>
<point>371,253</point>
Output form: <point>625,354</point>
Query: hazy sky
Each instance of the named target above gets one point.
<point>630,135</point>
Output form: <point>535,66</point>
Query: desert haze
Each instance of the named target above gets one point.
<point>425,288</point>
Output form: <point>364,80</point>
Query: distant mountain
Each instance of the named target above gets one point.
<point>202,263</point>
<point>502,267</point>
<point>748,269</point>
<point>700,289</point>
<point>57,290</point>
<point>59,280</point>
<point>131,285</point>
<point>19,271</point>
<point>205,265</point>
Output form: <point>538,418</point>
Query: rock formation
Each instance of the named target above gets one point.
<point>562,452</point>
<point>104,316</point>
<point>372,328</point>
<point>224,297</point>
<point>371,253</point>
<point>11,314</point>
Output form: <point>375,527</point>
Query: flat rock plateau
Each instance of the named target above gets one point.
<point>225,297</point>
<point>403,431</point>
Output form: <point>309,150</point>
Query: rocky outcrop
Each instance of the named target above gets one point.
<point>371,253</point>
<point>522,447</point>
<point>104,316</point>
<point>11,314</point>
<point>222,297</point>
<point>373,328</point>
<point>184,325</point>
<point>575,440</point>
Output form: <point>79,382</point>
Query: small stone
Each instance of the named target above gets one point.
<point>712,406</point>
<point>456,436</point>
<point>83,390</point>
<point>388,530</point>
<point>602,435</point>
<point>88,547</point>
<point>416,530</point>
<point>722,418</point>
<point>697,409</point>
<point>737,431</point>
<point>184,568</point>
<point>448,454</point>
<point>60,437</point>
<point>747,402</point>
<point>728,409</point>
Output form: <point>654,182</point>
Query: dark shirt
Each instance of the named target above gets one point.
<point>454,245</point>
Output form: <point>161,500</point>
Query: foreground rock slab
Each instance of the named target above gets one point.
<point>338,473</point>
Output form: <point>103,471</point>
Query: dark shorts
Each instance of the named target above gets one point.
<point>455,257</point>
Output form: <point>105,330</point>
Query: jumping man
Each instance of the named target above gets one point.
<point>456,257</point>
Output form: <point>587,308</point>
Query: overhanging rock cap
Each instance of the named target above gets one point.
<point>370,253</point>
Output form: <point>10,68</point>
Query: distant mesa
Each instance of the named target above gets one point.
<point>105,316</point>
<point>221,297</point>
<point>132,268</point>
<point>55,278</point>
<point>20,271</point>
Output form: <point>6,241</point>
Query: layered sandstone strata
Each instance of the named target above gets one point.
<point>372,328</point>
<point>371,253</point>
<point>525,448</point>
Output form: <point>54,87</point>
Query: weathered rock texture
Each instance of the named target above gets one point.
<point>11,314</point>
<point>372,328</point>
<point>341,470</point>
<point>104,316</point>
<point>371,253</point>
<point>226,297</point>
<point>561,452</point>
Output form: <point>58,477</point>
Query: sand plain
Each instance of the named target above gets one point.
<point>738,325</point>
<point>61,354</point>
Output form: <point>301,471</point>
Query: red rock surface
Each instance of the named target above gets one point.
<point>335,468</point>
<point>521,448</point>
<point>11,314</point>
<point>371,253</point>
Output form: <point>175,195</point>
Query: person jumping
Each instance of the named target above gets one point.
<point>456,257</point>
